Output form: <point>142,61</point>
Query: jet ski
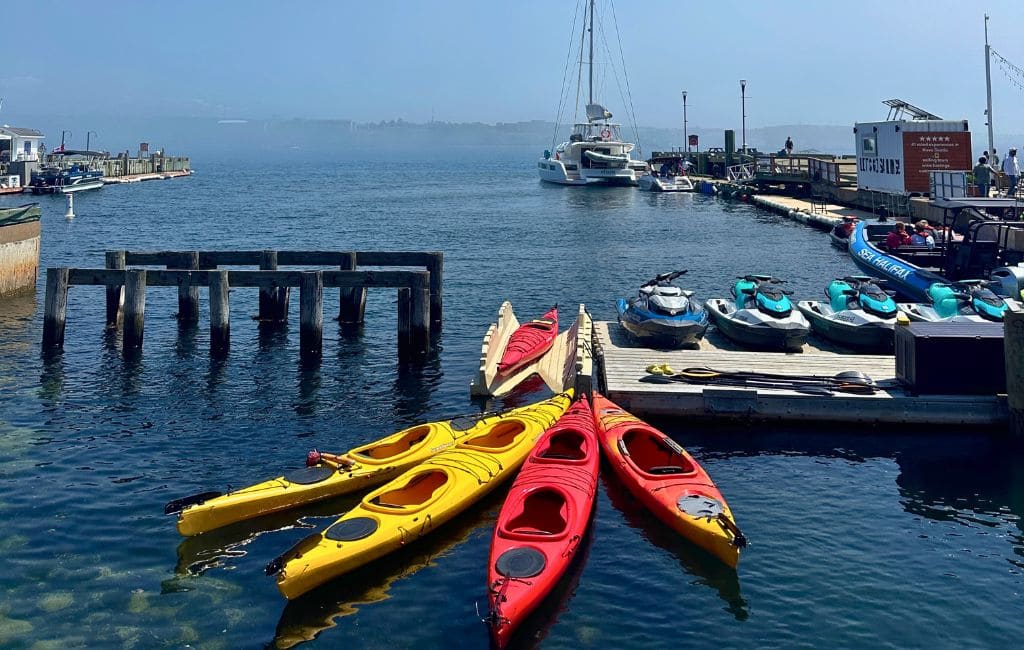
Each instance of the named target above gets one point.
<point>761,315</point>
<point>663,315</point>
<point>964,301</point>
<point>859,314</point>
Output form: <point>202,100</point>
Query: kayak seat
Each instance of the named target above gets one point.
<point>402,444</point>
<point>564,445</point>
<point>501,435</point>
<point>541,514</point>
<point>653,456</point>
<point>417,491</point>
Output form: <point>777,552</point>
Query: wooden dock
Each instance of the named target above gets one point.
<point>621,365</point>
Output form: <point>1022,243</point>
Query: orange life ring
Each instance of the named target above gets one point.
<point>606,133</point>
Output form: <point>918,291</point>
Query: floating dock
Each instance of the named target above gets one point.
<point>621,365</point>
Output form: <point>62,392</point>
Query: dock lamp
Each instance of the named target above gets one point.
<point>743,112</point>
<point>686,140</point>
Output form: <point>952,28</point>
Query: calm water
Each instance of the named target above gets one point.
<point>859,537</point>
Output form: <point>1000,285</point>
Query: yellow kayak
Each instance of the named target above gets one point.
<point>330,476</point>
<point>419,501</point>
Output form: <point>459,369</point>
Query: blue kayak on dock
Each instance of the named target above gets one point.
<point>903,276</point>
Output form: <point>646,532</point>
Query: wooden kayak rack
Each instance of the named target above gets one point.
<point>419,291</point>
<point>567,364</point>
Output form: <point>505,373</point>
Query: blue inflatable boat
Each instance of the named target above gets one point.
<point>908,279</point>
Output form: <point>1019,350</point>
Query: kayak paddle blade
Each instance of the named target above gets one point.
<point>178,505</point>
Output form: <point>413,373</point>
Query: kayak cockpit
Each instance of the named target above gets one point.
<point>414,494</point>
<point>393,446</point>
<point>568,445</point>
<point>541,514</point>
<point>501,436</point>
<point>654,454</point>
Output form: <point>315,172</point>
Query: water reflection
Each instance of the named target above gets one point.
<point>185,343</point>
<point>304,618</point>
<point>414,386</point>
<point>709,571</point>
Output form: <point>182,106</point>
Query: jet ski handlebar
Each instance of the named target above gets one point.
<point>761,278</point>
<point>664,277</point>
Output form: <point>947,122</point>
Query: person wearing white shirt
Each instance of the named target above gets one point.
<point>1012,170</point>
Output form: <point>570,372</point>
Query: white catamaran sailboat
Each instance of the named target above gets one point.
<point>595,152</point>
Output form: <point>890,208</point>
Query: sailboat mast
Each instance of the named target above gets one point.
<point>988,87</point>
<point>590,94</point>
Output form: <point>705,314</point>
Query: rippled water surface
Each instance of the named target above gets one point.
<point>866,537</point>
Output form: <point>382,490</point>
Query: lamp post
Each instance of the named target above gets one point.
<point>686,139</point>
<point>743,112</point>
<point>87,134</point>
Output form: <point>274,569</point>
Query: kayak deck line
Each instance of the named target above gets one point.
<point>565,365</point>
<point>622,365</point>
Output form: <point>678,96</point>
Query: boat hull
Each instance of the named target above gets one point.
<point>417,502</point>
<point>543,520</point>
<point>654,332</point>
<point>906,278</point>
<point>788,335</point>
<point>650,183</point>
<point>845,328</point>
<point>668,481</point>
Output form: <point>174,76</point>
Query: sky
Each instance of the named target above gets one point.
<point>826,62</point>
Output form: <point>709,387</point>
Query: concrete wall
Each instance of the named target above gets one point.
<point>19,257</point>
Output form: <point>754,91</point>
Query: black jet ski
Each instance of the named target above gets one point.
<point>859,314</point>
<point>760,316</point>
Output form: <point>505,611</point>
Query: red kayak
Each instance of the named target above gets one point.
<point>529,342</point>
<point>668,481</point>
<point>543,520</point>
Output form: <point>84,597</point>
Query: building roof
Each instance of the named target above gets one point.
<point>13,130</point>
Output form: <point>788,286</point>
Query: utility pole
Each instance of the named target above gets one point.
<point>743,112</point>
<point>988,89</point>
<point>686,139</point>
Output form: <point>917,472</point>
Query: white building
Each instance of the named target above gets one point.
<point>17,144</point>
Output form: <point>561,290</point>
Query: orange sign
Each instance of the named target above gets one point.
<point>933,151</point>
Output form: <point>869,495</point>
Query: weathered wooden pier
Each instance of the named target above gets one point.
<point>420,305</point>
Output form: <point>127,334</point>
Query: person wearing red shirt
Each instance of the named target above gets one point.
<point>898,237</point>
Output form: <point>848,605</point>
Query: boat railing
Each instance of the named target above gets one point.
<point>741,172</point>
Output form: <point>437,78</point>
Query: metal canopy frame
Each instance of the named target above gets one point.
<point>898,107</point>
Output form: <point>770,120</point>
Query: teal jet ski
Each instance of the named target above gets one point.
<point>859,314</point>
<point>964,301</point>
<point>760,315</point>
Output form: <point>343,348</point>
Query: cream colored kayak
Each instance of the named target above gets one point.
<point>418,501</point>
<point>330,475</point>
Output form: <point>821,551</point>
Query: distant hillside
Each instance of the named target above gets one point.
<point>271,139</point>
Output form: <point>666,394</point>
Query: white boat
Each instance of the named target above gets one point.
<point>654,182</point>
<point>596,153</point>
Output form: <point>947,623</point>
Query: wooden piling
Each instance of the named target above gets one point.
<point>220,318</point>
<point>404,323</point>
<point>115,293</point>
<point>436,268</point>
<point>134,308</point>
<point>55,308</point>
<point>273,300</point>
<point>188,292</point>
<point>1013,353</point>
<point>311,313</point>
<point>419,313</point>
<point>352,304</point>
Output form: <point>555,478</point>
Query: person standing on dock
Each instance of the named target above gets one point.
<point>983,176</point>
<point>1012,170</point>
<point>789,145</point>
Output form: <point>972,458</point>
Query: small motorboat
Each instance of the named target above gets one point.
<point>654,182</point>
<point>529,342</point>
<point>859,314</point>
<point>840,235</point>
<point>663,315</point>
<point>966,301</point>
<point>761,315</point>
